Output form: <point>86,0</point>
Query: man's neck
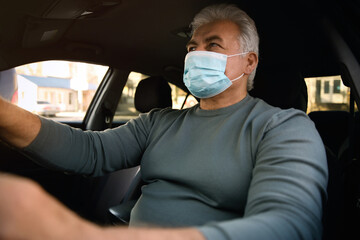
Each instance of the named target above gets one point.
<point>222,100</point>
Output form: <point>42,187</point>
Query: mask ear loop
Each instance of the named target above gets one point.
<point>237,78</point>
<point>238,54</point>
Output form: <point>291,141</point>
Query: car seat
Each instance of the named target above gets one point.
<point>336,129</point>
<point>153,92</point>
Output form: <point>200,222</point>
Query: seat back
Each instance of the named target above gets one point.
<point>151,93</point>
<point>334,127</point>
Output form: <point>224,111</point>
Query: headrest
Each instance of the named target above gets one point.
<point>284,89</point>
<point>152,92</point>
<point>333,123</point>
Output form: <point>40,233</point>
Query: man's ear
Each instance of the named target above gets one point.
<point>252,61</point>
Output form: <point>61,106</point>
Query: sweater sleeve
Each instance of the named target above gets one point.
<point>288,185</point>
<point>92,153</point>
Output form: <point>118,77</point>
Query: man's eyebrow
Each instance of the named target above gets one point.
<point>191,42</point>
<point>208,39</point>
<point>212,38</point>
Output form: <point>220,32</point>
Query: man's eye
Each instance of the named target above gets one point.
<point>213,45</point>
<point>190,49</point>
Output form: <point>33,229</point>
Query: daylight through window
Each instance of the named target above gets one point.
<point>58,89</point>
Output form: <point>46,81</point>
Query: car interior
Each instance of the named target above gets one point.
<point>298,39</point>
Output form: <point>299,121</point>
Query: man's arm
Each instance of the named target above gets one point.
<point>288,184</point>
<point>18,127</point>
<point>28,212</point>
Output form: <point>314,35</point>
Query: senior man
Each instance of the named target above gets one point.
<point>251,171</point>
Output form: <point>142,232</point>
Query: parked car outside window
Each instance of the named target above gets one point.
<point>45,108</point>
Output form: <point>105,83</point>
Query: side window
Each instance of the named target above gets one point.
<point>60,90</point>
<point>327,94</point>
<point>126,108</point>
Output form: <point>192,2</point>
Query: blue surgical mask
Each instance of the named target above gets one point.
<point>204,73</point>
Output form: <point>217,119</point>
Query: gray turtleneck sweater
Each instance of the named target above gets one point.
<point>247,171</point>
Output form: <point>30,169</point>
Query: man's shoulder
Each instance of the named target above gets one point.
<point>274,116</point>
<point>258,108</point>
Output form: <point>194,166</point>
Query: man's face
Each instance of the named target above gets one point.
<point>223,37</point>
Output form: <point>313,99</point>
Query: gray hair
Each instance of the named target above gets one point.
<point>249,38</point>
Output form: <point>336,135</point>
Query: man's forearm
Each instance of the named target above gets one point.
<point>18,127</point>
<point>151,234</point>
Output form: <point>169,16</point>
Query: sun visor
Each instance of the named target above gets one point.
<point>70,9</point>
<point>40,32</point>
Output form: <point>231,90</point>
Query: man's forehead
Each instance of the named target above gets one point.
<point>195,40</point>
<point>219,28</point>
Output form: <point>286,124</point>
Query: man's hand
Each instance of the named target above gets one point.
<point>28,212</point>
